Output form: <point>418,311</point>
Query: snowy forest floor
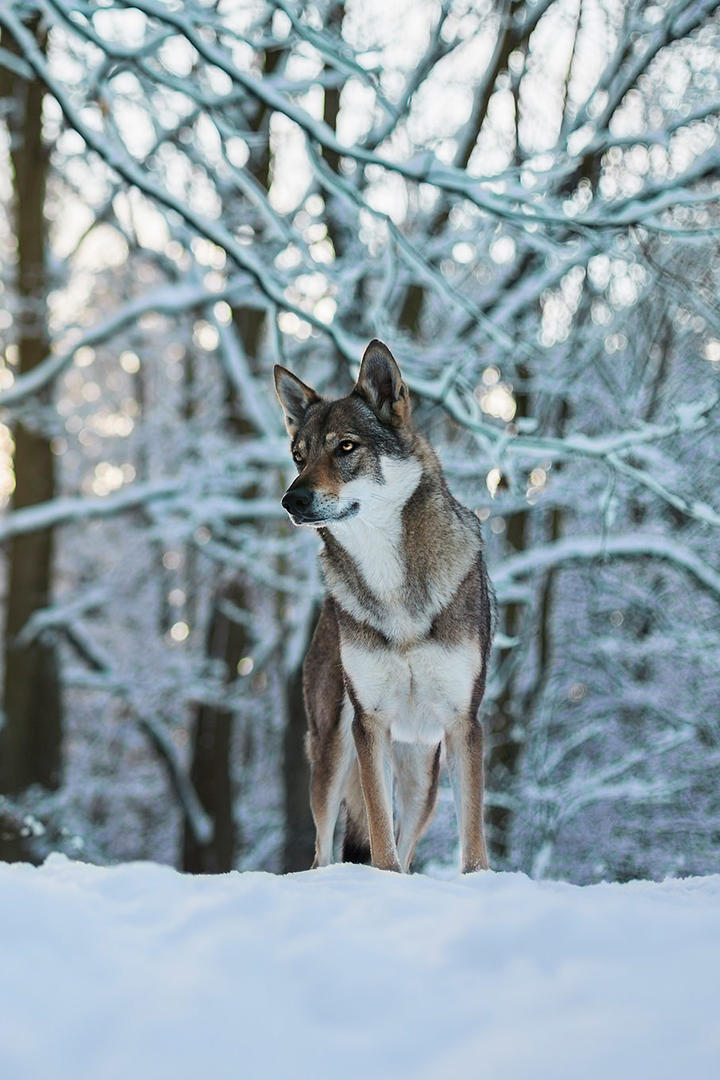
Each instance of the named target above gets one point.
<point>138,971</point>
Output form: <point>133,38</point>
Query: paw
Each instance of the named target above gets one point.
<point>472,866</point>
<point>388,863</point>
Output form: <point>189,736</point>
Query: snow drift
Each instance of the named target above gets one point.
<point>138,971</point>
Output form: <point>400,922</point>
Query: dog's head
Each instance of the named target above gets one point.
<point>350,453</point>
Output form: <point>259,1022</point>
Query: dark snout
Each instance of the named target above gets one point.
<point>297,501</point>
<point>315,508</point>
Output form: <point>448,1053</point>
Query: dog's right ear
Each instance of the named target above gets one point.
<point>295,398</point>
<point>382,386</point>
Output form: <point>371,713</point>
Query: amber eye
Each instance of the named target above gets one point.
<point>347,445</point>
<point>297,458</point>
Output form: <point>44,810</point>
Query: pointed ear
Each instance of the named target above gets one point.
<point>295,398</point>
<point>381,385</point>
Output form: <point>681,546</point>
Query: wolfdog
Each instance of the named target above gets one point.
<point>398,660</point>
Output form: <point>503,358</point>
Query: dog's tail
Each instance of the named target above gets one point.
<point>356,839</point>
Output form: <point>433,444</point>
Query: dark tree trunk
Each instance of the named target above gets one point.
<point>299,847</point>
<point>506,727</point>
<point>210,771</point>
<point>30,740</point>
<point>212,736</point>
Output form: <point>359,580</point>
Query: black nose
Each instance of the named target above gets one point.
<point>297,500</point>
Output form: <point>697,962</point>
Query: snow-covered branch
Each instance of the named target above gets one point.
<point>582,549</point>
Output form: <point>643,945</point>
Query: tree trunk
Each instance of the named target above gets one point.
<point>299,847</point>
<point>210,771</point>
<point>30,740</point>
<point>506,727</point>
<point>227,639</point>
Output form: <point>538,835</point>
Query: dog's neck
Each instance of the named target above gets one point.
<point>400,561</point>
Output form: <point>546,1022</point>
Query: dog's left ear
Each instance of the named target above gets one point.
<point>381,385</point>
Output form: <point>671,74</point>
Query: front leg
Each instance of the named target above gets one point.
<point>372,744</point>
<point>464,745</point>
<point>330,755</point>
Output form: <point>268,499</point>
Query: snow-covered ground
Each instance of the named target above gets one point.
<point>140,973</point>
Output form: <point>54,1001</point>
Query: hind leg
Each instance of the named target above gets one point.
<point>464,745</point>
<point>417,769</point>
<point>330,761</point>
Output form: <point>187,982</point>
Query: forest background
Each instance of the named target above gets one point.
<point>521,199</point>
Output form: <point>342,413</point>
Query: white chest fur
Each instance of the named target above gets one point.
<point>417,693</point>
<point>373,538</point>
